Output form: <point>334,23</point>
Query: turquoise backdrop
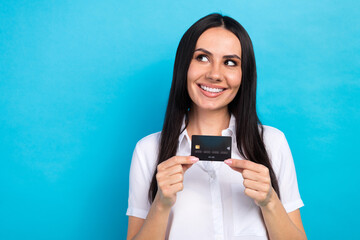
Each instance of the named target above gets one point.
<point>82,81</point>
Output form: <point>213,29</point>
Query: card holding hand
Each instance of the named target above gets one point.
<point>211,148</point>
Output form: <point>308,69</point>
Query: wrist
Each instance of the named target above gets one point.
<point>160,206</point>
<point>272,203</point>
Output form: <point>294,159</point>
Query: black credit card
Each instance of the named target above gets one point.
<point>211,148</point>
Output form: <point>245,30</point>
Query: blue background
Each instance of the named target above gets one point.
<point>82,81</point>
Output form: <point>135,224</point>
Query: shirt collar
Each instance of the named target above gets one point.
<point>183,135</point>
<point>230,131</point>
<point>232,125</point>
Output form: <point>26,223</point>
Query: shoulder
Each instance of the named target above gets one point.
<point>145,155</point>
<point>149,142</point>
<point>273,139</point>
<point>276,146</point>
<point>284,168</point>
<point>272,136</point>
<point>147,148</point>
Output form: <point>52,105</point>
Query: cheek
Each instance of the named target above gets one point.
<point>190,80</point>
<point>235,80</point>
<point>192,73</point>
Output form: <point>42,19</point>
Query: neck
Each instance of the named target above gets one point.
<point>205,122</point>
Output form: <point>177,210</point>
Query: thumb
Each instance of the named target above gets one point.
<point>190,162</point>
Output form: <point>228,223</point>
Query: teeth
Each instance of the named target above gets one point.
<point>212,90</point>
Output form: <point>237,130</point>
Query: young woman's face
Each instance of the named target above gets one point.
<point>214,74</point>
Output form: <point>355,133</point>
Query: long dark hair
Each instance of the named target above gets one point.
<point>249,131</point>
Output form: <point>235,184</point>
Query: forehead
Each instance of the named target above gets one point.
<point>219,41</point>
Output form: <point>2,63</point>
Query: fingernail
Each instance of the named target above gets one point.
<point>194,159</point>
<point>228,161</point>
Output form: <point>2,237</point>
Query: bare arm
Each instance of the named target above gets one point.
<point>153,227</point>
<point>170,181</point>
<point>280,225</point>
<point>134,225</point>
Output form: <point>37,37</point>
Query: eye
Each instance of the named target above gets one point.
<point>230,63</point>
<point>202,58</point>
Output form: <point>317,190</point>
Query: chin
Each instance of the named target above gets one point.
<point>210,107</point>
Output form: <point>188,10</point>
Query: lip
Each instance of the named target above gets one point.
<point>209,94</point>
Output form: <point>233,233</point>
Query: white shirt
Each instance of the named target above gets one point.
<point>213,204</point>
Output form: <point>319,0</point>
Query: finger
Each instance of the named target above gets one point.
<point>171,180</point>
<point>166,183</point>
<point>177,160</point>
<point>172,189</point>
<point>245,164</point>
<point>261,198</point>
<point>257,186</point>
<point>240,170</point>
<point>248,174</point>
<point>253,194</point>
<point>173,170</point>
<point>186,167</point>
<point>165,175</point>
<point>178,187</point>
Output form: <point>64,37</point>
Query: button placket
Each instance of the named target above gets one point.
<point>216,205</point>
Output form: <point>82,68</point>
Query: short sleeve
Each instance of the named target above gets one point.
<point>141,170</point>
<point>286,174</point>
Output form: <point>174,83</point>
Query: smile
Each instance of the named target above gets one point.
<point>211,90</point>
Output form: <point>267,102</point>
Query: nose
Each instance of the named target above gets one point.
<point>214,73</point>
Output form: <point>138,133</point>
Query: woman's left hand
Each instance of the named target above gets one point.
<point>257,181</point>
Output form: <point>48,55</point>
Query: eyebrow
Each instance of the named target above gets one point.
<point>209,53</point>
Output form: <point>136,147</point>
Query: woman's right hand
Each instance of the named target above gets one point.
<point>170,176</point>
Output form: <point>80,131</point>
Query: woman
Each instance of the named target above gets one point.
<point>174,195</point>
